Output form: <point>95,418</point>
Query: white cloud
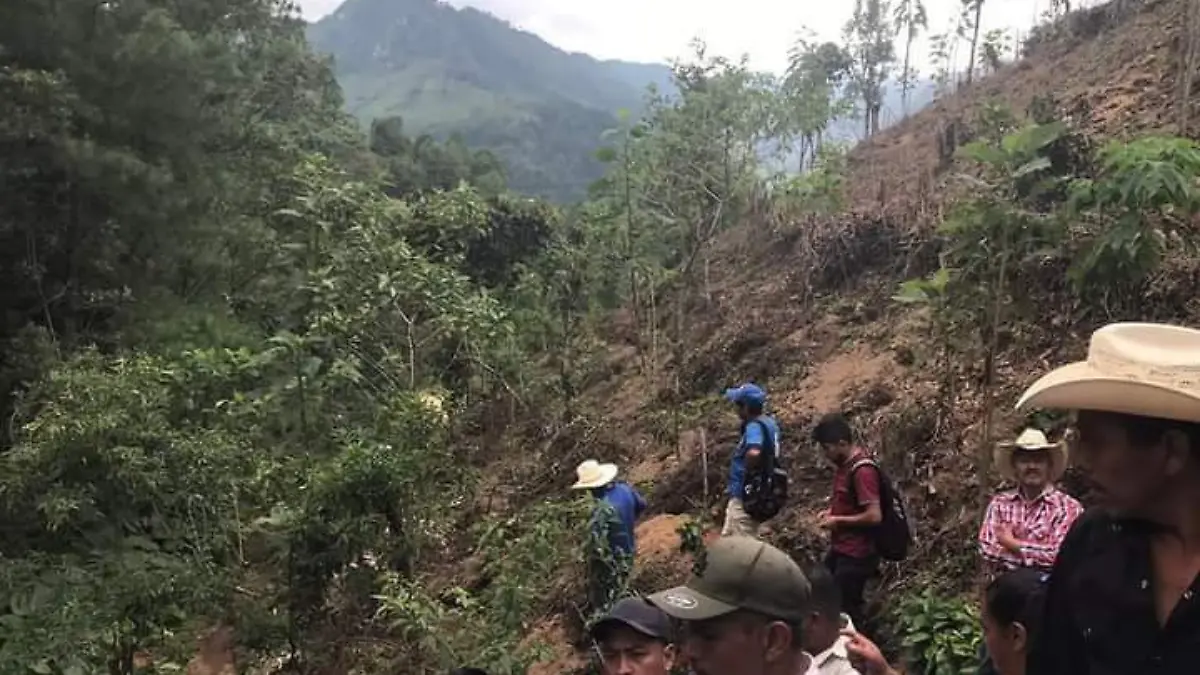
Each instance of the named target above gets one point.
<point>657,30</point>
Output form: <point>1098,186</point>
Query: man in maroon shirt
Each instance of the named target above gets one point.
<point>853,511</point>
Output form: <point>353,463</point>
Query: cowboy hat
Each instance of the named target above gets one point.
<point>1143,369</point>
<point>1031,439</point>
<point>592,474</point>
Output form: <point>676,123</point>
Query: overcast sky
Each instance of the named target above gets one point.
<point>658,30</point>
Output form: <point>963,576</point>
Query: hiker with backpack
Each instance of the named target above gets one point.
<point>866,517</point>
<point>757,482</point>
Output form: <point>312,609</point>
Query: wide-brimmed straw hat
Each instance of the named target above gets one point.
<point>1031,439</point>
<point>1143,369</point>
<point>592,474</point>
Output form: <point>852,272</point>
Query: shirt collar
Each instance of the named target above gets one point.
<point>1047,492</point>
<point>837,650</point>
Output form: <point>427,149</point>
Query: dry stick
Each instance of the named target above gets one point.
<point>985,455</point>
<point>704,468</point>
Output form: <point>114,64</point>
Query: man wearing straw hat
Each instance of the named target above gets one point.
<point>1124,596</point>
<point>1025,526</point>
<point>610,533</point>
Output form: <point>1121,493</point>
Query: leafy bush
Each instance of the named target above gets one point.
<point>523,558</point>
<point>941,635</point>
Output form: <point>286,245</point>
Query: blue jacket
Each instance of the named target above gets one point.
<point>752,436</point>
<point>621,498</point>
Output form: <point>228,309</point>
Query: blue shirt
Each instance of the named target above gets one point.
<point>751,437</point>
<point>628,505</point>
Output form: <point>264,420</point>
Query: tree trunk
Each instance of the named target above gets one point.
<point>906,83</point>
<point>989,391</point>
<point>974,40</point>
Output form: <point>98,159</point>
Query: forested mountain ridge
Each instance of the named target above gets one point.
<point>462,71</point>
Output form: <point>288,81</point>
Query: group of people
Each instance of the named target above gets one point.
<point>1114,590</point>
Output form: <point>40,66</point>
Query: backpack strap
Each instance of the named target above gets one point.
<point>769,448</point>
<point>865,461</point>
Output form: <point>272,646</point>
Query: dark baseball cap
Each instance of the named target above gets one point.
<point>638,614</point>
<point>741,573</point>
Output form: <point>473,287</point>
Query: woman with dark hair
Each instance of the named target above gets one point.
<point>1011,617</point>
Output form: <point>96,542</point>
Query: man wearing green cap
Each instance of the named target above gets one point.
<point>742,613</point>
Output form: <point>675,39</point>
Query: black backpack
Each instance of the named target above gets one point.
<point>893,534</point>
<point>766,488</point>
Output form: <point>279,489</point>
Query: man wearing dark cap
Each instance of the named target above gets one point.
<point>634,638</point>
<point>742,613</point>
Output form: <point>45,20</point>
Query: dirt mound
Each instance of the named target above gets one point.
<point>562,659</point>
<point>214,655</point>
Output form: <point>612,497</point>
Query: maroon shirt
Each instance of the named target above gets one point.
<point>855,542</point>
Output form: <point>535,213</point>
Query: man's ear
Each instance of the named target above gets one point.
<point>670,653</point>
<point>778,641</point>
<point>1020,637</point>
<point>1179,451</point>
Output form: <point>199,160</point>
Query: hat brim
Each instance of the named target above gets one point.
<point>608,472</point>
<point>686,604</point>
<point>1079,386</point>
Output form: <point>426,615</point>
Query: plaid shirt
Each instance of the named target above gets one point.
<point>1040,525</point>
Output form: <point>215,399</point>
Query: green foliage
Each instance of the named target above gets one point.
<point>522,557</point>
<point>819,190</point>
<point>1140,203</point>
<point>940,634</point>
<point>691,542</point>
<point>418,165</point>
<point>121,513</point>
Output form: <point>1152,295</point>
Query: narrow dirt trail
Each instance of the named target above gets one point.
<point>214,655</point>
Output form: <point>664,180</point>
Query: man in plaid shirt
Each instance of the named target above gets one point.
<point>1024,527</point>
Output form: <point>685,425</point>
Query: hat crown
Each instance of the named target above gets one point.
<point>1152,353</point>
<point>753,575</point>
<point>1032,438</point>
<point>592,474</point>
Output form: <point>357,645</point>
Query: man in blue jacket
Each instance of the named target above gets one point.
<point>611,543</point>
<point>758,431</point>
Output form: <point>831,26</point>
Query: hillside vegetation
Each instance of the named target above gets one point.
<point>310,400</point>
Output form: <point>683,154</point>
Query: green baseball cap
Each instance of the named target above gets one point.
<point>741,573</point>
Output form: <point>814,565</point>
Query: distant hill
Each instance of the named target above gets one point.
<point>446,70</point>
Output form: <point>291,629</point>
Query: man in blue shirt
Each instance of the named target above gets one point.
<point>611,544</point>
<point>749,399</point>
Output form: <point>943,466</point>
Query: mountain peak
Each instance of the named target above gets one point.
<point>447,70</point>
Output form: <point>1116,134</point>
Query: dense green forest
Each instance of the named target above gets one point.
<point>249,352</point>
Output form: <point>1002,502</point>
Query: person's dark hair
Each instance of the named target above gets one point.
<point>826,596</point>
<point>1148,431</point>
<point>832,428</point>
<point>1017,597</point>
<point>468,671</point>
<point>755,408</point>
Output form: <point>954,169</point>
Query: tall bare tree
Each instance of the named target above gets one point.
<point>869,39</point>
<point>910,19</point>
